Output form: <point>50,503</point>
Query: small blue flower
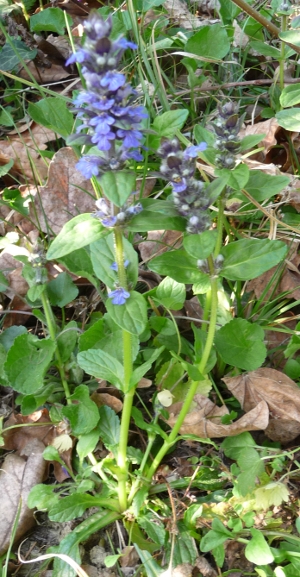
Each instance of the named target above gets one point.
<point>119,296</point>
<point>107,107</point>
<point>192,151</point>
<point>114,265</point>
<point>110,221</point>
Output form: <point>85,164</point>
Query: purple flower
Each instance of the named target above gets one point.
<point>107,107</point>
<point>119,296</point>
<point>89,165</point>
<point>190,199</point>
<point>114,265</point>
<point>192,151</point>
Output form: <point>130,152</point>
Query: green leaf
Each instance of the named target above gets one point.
<point>179,265</point>
<point>169,122</point>
<point>118,186</point>
<point>290,95</point>
<point>109,428</point>
<point>111,560</point>
<point>258,551</point>
<point>75,234</point>
<point>236,178</point>
<point>27,362</point>
<point>290,36</point>
<point>151,428</point>
<point>9,59</point>
<point>84,414</point>
<point>215,537</point>
<point>66,341</point>
<point>289,119</point>
<point>140,371</point>
<point>200,246</point>
<point>42,497</point>
<point>250,141</point>
<point>247,258</point>
<point>210,42</point>
<point>31,403</point>
<point>234,446</point>
<point>103,256</point>
<point>61,290</point>
<point>8,336</point>
<point>265,49</point>
<point>71,507</point>
<point>50,20</point>
<point>52,112</point>
<point>78,262</point>
<point>87,443</point>
<point>156,213</point>
<point>241,344</point>
<point>102,366</point>
<point>171,294</point>
<point>263,186</point>
<point>132,316</point>
<point>249,460</point>
<point>145,5</point>
<point>5,168</point>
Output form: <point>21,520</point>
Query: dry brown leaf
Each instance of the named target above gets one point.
<point>205,420</point>
<point>17,439</point>
<point>204,567</point>
<point>24,150</point>
<point>158,242</point>
<point>268,127</point>
<point>129,557</point>
<point>17,477</point>
<point>278,391</point>
<point>108,400</point>
<point>65,195</point>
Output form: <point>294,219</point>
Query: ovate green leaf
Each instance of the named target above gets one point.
<point>241,344</point>
<point>75,234</point>
<point>83,414</point>
<point>246,259</point>
<point>27,362</point>
<point>258,551</point>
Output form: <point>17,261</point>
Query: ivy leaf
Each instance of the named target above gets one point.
<point>83,414</point>
<point>272,494</point>
<point>27,362</point>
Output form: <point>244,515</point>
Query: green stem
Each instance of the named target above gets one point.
<point>221,205</point>
<point>193,388</point>
<point>129,393</point>
<point>51,324</point>
<point>282,53</point>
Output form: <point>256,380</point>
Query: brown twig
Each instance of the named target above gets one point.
<point>274,30</point>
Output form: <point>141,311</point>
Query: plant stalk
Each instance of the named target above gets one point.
<point>52,332</point>
<point>193,388</point>
<point>128,393</point>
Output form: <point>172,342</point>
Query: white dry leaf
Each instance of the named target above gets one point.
<point>271,495</point>
<point>62,443</point>
<point>165,398</point>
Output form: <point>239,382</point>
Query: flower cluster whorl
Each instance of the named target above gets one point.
<point>227,127</point>
<point>107,106</point>
<point>178,167</point>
